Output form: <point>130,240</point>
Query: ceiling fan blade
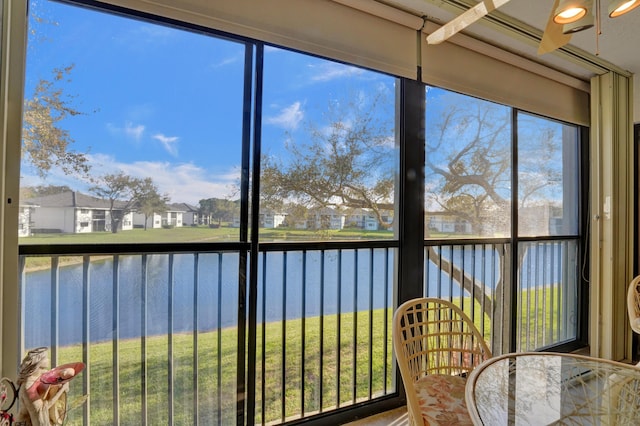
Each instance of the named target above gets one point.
<point>553,37</point>
<point>464,20</point>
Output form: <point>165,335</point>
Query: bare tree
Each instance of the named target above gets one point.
<point>349,160</point>
<point>468,162</point>
<point>469,177</point>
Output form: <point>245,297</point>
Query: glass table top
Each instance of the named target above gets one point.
<point>553,389</point>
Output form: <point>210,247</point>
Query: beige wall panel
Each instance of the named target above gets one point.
<point>636,98</point>
<point>12,62</point>
<point>612,226</point>
<point>460,69</point>
<point>321,27</point>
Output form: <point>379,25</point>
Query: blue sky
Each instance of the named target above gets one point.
<point>167,103</point>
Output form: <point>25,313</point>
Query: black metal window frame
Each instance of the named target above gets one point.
<point>410,243</point>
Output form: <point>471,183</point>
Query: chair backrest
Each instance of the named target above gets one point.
<point>434,336</point>
<point>633,304</point>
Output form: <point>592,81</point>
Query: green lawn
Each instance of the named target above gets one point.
<point>283,381</point>
<point>200,234</point>
<point>186,234</point>
<point>289,388</point>
<point>180,234</point>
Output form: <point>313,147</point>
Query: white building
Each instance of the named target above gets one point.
<point>173,217</point>
<point>73,213</point>
<point>327,218</point>
<point>446,224</point>
<point>190,216</point>
<point>367,219</point>
<point>24,219</point>
<point>271,219</point>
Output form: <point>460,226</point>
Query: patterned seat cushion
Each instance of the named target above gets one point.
<point>441,399</point>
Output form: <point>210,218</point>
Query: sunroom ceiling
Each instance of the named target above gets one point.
<point>618,44</point>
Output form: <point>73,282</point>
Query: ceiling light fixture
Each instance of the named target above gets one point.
<point>586,22</point>
<point>569,11</point>
<point>566,17</point>
<point>620,7</point>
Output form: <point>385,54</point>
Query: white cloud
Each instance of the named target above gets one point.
<point>289,117</point>
<point>183,182</point>
<point>155,31</point>
<point>168,142</point>
<point>229,60</point>
<point>134,132</point>
<point>142,36</point>
<point>272,49</point>
<point>130,130</point>
<point>140,112</point>
<point>331,71</point>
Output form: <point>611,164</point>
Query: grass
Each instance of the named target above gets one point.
<point>179,234</point>
<point>328,374</point>
<point>541,321</point>
<point>200,234</point>
<point>185,234</point>
<point>305,370</point>
<point>288,390</point>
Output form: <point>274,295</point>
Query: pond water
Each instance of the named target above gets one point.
<point>183,292</point>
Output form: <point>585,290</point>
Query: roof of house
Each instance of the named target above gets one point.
<point>186,207</point>
<point>73,199</point>
<point>181,207</point>
<point>27,204</point>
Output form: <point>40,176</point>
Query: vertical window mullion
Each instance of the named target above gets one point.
<point>86,332</point>
<point>515,253</point>
<point>245,361</point>
<point>55,317</point>
<point>196,363</point>
<point>303,325</point>
<point>143,341</point>
<point>410,129</point>
<point>116,339</point>
<point>170,366</point>
<point>258,73</point>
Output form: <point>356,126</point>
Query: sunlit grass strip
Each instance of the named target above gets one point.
<point>277,393</point>
<point>186,234</point>
<point>102,377</point>
<point>201,234</point>
<point>540,318</point>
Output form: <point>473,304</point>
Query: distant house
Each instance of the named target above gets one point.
<point>72,212</point>
<point>265,220</point>
<point>367,219</point>
<point>447,223</point>
<point>25,222</point>
<point>172,217</point>
<point>190,214</point>
<point>152,221</point>
<point>544,219</point>
<point>271,219</point>
<point>328,218</point>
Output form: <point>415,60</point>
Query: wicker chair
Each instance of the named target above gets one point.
<point>436,346</point>
<point>633,304</point>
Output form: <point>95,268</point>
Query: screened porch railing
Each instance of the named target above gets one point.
<point>159,332</point>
